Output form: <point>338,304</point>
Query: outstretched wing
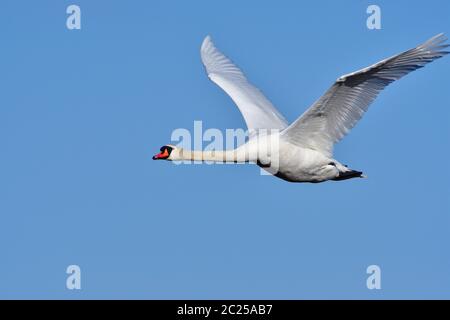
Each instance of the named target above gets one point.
<point>256,109</point>
<point>330,118</point>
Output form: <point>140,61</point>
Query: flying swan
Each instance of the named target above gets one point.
<point>304,149</point>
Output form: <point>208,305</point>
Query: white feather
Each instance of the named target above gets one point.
<point>330,118</point>
<point>257,110</point>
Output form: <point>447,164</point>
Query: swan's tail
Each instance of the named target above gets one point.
<point>344,175</point>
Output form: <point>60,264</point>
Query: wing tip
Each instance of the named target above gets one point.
<point>441,36</point>
<point>436,46</point>
<point>436,43</point>
<point>207,41</point>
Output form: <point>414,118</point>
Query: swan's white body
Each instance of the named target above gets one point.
<point>286,161</point>
<point>304,148</point>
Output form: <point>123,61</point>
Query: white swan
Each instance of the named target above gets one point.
<point>304,148</point>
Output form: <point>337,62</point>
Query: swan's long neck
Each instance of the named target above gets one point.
<point>230,156</point>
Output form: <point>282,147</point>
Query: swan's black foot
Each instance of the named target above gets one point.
<point>348,175</point>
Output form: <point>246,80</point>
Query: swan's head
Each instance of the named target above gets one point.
<point>168,152</point>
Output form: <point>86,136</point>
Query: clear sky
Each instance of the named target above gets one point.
<point>83,111</point>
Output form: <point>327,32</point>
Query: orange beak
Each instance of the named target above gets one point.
<point>161,155</point>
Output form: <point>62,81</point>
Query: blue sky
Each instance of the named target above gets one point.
<point>83,111</point>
